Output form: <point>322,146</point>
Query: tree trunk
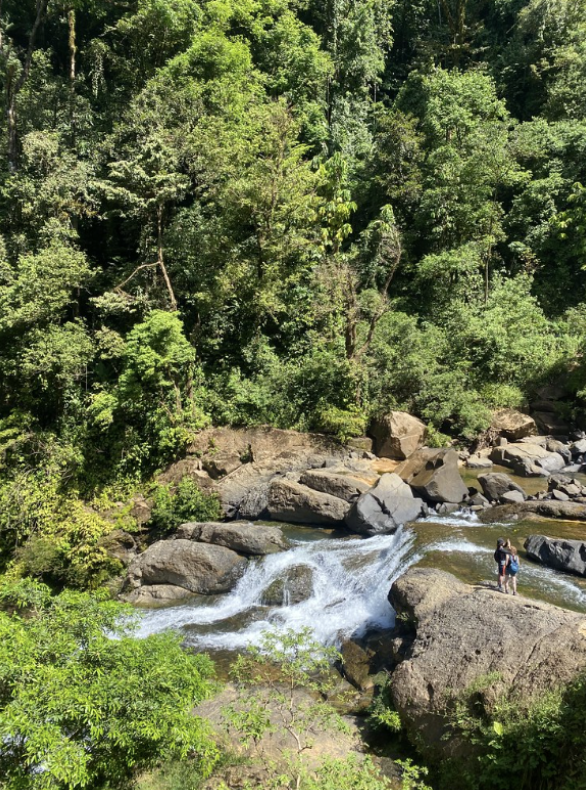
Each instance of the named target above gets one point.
<point>72,45</point>
<point>161,259</point>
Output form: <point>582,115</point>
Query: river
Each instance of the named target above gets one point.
<point>352,577</point>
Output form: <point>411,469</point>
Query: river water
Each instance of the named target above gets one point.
<point>352,577</point>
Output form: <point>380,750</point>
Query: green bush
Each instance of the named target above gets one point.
<point>186,502</point>
<point>80,708</point>
<point>535,746</point>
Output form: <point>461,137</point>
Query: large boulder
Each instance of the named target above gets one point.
<point>192,567</point>
<point>336,483</point>
<point>512,424</point>
<point>240,536</point>
<point>397,435</point>
<point>563,555</point>
<point>434,475</point>
<point>527,459</point>
<point>458,634</point>
<point>292,587</point>
<point>551,424</point>
<point>494,485</point>
<point>384,507</point>
<point>293,502</point>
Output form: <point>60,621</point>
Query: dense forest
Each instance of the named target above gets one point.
<point>300,213</point>
<point>283,212</point>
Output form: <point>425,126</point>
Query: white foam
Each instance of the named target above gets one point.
<point>463,546</point>
<point>352,579</point>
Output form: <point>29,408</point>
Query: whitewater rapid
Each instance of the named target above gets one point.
<point>351,582</point>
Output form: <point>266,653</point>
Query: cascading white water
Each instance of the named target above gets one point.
<point>351,581</point>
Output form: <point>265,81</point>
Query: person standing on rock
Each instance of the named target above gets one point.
<point>501,558</point>
<point>512,567</point>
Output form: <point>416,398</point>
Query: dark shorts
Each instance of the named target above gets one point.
<point>511,573</point>
<point>502,567</point>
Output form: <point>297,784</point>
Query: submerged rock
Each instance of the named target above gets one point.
<point>384,507</point>
<point>563,555</point>
<point>293,587</point>
<point>457,635</point>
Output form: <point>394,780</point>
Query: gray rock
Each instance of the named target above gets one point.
<point>560,495</point>
<point>578,448</point>
<point>240,536</point>
<point>437,479</point>
<point>527,460</point>
<point>295,586</point>
<point>496,484</point>
<point>478,500</point>
<point>511,497</point>
<point>340,484</point>
<point>563,555</point>
<point>446,508</point>
<point>255,502</point>
<point>296,503</point>
<point>512,424</point>
<point>461,634</point>
<point>555,446</point>
<point>575,511</point>
<point>384,507</point>
<point>478,462</point>
<point>153,595</point>
<point>195,567</point>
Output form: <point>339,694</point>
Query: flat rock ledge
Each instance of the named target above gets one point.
<point>456,634</point>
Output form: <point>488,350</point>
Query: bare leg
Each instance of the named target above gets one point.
<point>514,585</point>
<point>506,579</point>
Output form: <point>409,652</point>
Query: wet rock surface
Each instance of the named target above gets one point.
<point>562,555</point>
<point>293,587</point>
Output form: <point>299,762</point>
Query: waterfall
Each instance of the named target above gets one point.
<point>351,582</point>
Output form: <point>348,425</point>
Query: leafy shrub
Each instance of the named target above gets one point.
<point>82,709</point>
<point>187,502</point>
<point>535,746</point>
